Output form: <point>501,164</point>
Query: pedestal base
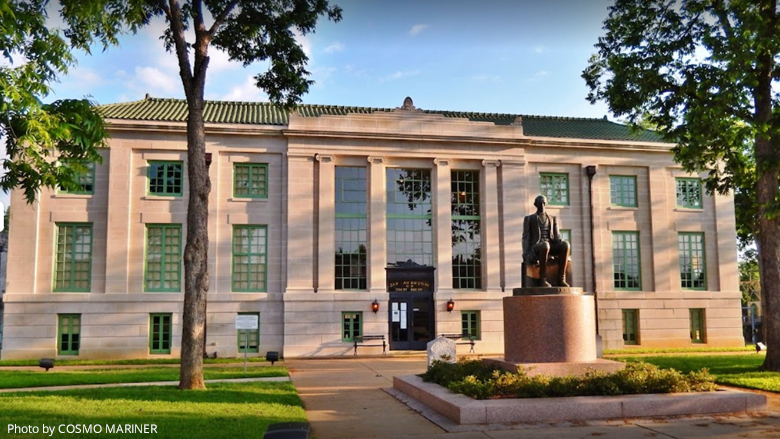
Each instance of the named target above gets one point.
<point>558,369</point>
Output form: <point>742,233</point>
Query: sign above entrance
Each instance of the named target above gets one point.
<point>246,322</point>
<point>410,279</point>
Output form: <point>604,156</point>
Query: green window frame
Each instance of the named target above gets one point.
<point>693,264</point>
<point>622,190</point>
<point>85,181</point>
<point>351,228</point>
<point>566,236</point>
<point>73,258</point>
<point>166,179</point>
<point>162,272</point>
<point>689,194</point>
<point>250,180</point>
<point>466,230</point>
<point>555,186</point>
<point>631,326</point>
<point>160,333</point>
<point>626,262</point>
<point>470,324</point>
<point>252,336</point>
<point>698,334</point>
<point>351,325</point>
<point>68,334</point>
<point>250,260</point>
<point>409,216</point>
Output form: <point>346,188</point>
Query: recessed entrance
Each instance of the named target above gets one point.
<point>411,321</point>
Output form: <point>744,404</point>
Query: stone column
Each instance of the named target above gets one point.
<point>300,218</point>
<point>511,221</point>
<point>118,220</point>
<point>442,220</point>
<point>326,213</point>
<point>491,243</point>
<point>377,225</point>
<point>662,231</point>
<point>726,243</point>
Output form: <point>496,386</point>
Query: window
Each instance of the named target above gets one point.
<point>566,236</point>
<point>160,333</point>
<point>625,260</point>
<point>470,324</point>
<point>68,334</point>
<point>622,190</point>
<point>630,326</point>
<point>165,178</point>
<point>73,258</point>
<point>466,223</point>
<point>555,187</point>
<point>249,339</point>
<point>409,229</point>
<point>163,258</point>
<point>85,181</point>
<point>249,258</point>
<point>693,274</point>
<point>688,193</point>
<point>351,228</point>
<point>250,180</point>
<point>351,325</point>
<point>697,325</point>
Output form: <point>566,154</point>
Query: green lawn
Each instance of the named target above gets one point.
<point>4,363</point>
<point>225,410</point>
<point>63,376</point>
<point>732,370</point>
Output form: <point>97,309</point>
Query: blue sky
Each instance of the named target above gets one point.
<point>497,56</point>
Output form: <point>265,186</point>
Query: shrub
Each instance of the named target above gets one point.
<point>480,381</point>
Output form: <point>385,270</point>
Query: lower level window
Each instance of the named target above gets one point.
<point>351,325</point>
<point>470,324</point>
<point>697,326</point>
<point>249,339</point>
<point>630,326</point>
<point>69,334</point>
<point>160,333</point>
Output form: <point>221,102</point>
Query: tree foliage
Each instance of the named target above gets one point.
<point>47,144</point>
<point>702,72</point>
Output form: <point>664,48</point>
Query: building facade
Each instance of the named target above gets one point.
<point>336,222</point>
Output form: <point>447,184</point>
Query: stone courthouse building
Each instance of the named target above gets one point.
<point>336,222</point>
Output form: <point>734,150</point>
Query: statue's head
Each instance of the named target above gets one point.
<point>541,200</point>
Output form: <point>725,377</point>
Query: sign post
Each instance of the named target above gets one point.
<point>246,323</point>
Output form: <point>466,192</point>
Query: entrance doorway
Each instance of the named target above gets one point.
<point>411,321</point>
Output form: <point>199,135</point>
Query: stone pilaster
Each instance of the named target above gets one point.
<point>377,226</point>
<point>442,220</point>
<point>491,244</point>
<point>326,223</point>
<point>513,201</point>
<point>300,218</point>
<point>118,225</point>
<point>662,233</point>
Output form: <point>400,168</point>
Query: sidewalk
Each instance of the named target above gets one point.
<point>344,399</point>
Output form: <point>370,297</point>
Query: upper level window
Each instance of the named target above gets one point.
<point>622,190</point>
<point>409,217</point>
<point>250,248</point>
<point>688,192</point>
<point>555,187</point>
<point>165,178</point>
<point>351,228</point>
<point>625,261</point>
<point>73,258</point>
<point>85,181</point>
<point>466,225</point>
<point>693,272</point>
<point>250,180</point>
<point>163,258</point>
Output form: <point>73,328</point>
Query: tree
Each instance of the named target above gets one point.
<point>32,130</point>
<point>702,72</point>
<point>249,31</point>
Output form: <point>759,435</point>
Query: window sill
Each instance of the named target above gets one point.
<point>688,209</point>
<point>73,196</point>
<point>622,208</point>
<point>247,200</point>
<point>162,197</point>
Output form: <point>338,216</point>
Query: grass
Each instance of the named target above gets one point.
<point>622,352</point>
<point>733,370</point>
<point>10,379</point>
<point>139,361</point>
<point>232,410</point>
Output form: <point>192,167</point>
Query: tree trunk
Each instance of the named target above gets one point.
<point>196,276</point>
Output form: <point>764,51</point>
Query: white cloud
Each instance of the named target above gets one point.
<point>541,74</point>
<point>417,28</point>
<point>246,91</point>
<point>540,49</point>
<point>486,78</point>
<point>336,46</point>
<point>304,42</point>
<point>399,75</point>
<point>155,80</point>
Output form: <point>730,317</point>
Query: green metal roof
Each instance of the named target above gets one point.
<point>263,113</point>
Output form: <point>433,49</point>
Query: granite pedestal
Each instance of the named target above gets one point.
<point>552,331</point>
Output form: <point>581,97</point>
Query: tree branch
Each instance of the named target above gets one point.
<point>221,18</point>
<point>177,29</point>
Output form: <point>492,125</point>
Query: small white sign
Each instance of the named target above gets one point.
<point>246,322</point>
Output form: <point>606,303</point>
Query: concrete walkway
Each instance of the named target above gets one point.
<point>344,398</point>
